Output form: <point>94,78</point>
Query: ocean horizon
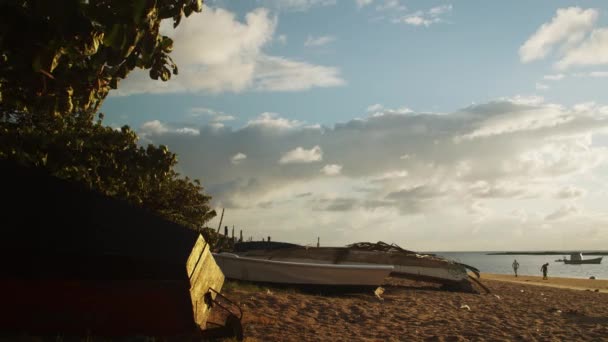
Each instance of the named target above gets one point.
<point>528,264</point>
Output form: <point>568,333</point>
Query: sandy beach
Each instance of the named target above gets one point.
<point>565,283</point>
<point>415,311</point>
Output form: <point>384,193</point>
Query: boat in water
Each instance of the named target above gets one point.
<point>300,273</point>
<point>577,259</point>
<point>406,264</point>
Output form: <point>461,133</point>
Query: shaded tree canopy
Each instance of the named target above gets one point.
<point>107,160</point>
<point>63,56</point>
<point>58,61</point>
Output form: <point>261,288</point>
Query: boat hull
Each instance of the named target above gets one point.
<point>283,272</point>
<point>415,267</point>
<point>585,261</point>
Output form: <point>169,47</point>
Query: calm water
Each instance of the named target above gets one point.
<point>529,264</point>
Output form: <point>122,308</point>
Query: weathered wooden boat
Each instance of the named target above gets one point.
<point>76,263</point>
<point>407,264</point>
<point>300,273</point>
<point>577,259</point>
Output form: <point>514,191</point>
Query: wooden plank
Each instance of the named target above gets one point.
<point>204,273</point>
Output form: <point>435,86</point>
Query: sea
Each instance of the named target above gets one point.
<point>529,264</point>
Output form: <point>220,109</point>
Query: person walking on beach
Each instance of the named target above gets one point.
<point>545,269</point>
<point>515,266</point>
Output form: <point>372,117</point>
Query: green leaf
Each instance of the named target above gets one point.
<point>114,37</point>
<point>91,45</point>
<point>166,44</point>
<point>138,10</point>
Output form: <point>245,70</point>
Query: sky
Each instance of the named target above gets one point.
<point>437,125</point>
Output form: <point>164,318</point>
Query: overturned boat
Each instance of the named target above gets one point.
<point>406,264</point>
<point>75,262</point>
<point>312,272</point>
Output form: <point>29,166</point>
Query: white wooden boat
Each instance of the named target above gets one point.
<point>303,273</point>
<point>407,264</point>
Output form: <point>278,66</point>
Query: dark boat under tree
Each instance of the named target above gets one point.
<point>76,263</point>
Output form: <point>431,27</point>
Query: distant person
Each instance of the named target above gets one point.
<point>515,266</point>
<point>545,268</point>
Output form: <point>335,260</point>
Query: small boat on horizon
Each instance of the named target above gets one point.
<point>577,259</point>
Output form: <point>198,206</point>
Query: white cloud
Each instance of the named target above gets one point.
<point>375,107</point>
<point>390,175</point>
<point>555,77</point>
<point>214,116</point>
<point>300,155</point>
<point>598,74</point>
<point>238,158</point>
<point>274,121</point>
<point>571,192</point>
<point>318,41</point>
<point>280,74</point>
<point>331,169</point>
<point>236,62</point>
<point>563,212</point>
<point>425,18</point>
<point>187,131</point>
<point>282,38</point>
<point>541,86</point>
<point>574,37</point>
<point>523,120</point>
<point>155,127</point>
<point>389,111</point>
<point>480,210</point>
<point>439,10</point>
<point>391,5</point>
<point>568,27</point>
<point>533,100</point>
<point>363,3</point>
<point>297,5</point>
<point>593,51</point>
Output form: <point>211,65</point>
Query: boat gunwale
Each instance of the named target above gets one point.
<point>378,267</point>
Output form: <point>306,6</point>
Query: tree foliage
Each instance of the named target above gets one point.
<point>63,56</point>
<point>109,161</point>
<point>58,61</point>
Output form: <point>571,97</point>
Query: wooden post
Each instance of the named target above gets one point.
<point>220,225</point>
<point>225,231</point>
<point>318,241</point>
<point>241,236</point>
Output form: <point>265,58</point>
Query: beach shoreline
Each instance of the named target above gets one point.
<point>600,285</point>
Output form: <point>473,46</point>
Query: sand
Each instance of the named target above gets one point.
<point>565,283</point>
<point>414,311</point>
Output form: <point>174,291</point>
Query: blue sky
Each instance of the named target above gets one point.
<point>482,122</point>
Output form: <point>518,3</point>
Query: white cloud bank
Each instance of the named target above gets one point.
<point>432,180</point>
<point>217,53</point>
<point>572,36</point>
